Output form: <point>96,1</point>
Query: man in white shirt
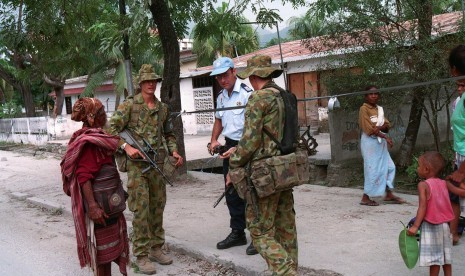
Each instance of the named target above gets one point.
<point>230,123</point>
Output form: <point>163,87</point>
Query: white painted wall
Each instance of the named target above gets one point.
<point>187,104</point>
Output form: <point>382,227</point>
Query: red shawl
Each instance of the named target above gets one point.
<point>106,145</point>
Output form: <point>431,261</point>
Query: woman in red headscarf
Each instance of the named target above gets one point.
<point>101,239</point>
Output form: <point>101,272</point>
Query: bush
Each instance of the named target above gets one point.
<point>449,156</point>
<point>9,110</point>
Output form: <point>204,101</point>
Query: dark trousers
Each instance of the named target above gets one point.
<point>236,205</point>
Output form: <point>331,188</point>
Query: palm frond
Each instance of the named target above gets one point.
<point>93,82</point>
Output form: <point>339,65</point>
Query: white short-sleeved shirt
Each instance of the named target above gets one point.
<point>233,120</point>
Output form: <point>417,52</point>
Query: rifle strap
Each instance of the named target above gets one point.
<point>134,114</point>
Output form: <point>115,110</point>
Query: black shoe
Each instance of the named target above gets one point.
<point>235,238</point>
<point>251,250</point>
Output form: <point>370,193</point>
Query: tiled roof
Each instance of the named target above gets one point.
<point>295,50</point>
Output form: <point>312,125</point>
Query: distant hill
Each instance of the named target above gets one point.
<point>266,35</point>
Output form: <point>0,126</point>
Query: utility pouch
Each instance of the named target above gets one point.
<point>169,166</point>
<point>239,179</point>
<point>284,171</point>
<point>121,159</point>
<point>166,163</point>
<point>277,173</point>
<point>109,192</point>
<point>301,158</point>
<point>261,178</point>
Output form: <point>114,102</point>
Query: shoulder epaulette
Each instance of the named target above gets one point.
<point>246,88</point>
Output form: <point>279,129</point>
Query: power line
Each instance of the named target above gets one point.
<point>380,90</point>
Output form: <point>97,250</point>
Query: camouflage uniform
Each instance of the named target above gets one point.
<point>274,231</point>
<point>147,192</point>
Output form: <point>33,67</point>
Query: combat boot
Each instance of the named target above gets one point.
<point>235,238</point>
<point>157,254</point>
<point>251,250</point>
<point>145,265</point>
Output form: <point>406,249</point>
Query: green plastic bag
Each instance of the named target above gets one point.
<point>408,246</point>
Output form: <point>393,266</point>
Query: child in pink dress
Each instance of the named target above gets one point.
<point>433,215</point>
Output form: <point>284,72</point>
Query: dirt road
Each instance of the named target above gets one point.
<point>337,236</point>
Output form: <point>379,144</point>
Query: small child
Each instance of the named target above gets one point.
<point>434,213</point>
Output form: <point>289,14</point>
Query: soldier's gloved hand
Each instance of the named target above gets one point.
<point>179,157</point>
<point>228,153</point>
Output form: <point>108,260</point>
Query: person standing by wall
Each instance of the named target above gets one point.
<point>145,116</point>
<point>101,239</point>
<point>230,123</point>
<point>457,68</point>
<point>273,227</point>
<point>378,167</point>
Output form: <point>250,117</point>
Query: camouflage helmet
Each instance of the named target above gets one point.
<point>147,73</point>
<point>260,66</point>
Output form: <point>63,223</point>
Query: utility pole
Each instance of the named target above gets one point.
<point>463,15</point>
<point>126,52</point>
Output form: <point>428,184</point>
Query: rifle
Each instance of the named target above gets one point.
<point>129,138</point>
<point>229,190</point>
<point>253,193</point>
<point>218,149</point>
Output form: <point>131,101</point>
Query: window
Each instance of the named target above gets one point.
<point>69,107</point>
<point>202,81</point>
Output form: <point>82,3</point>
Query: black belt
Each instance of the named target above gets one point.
<point>230,142</point>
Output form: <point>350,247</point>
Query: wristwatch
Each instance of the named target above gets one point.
<point>123,146</point>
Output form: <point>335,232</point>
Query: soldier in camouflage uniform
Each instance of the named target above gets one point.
<point>273,231</point>
<point>142,115</point>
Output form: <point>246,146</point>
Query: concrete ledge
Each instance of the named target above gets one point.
<point>226,259</point>
<point>19,196</point>
<point>319,161</point>
<point>204,163</point>
<point>45,204</point>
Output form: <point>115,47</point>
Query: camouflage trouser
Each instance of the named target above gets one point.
<point>274,233</point>
<point>147,200</point>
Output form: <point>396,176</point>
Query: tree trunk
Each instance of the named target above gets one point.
<point>170,91</point>
<point>2,96</point>
<point>60,99</point>
<point>411,133</point>
<point>58,86</point>
<point>425,17</point>
<point>28,100</point>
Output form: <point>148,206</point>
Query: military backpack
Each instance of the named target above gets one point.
<point>290,135</point>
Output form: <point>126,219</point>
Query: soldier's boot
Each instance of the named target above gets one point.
<point>251,250</point>
<point>145,265</point>
<point>235,238</point>
<point>157,254</point>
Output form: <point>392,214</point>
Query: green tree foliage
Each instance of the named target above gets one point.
<point>306,26</point>
<point>388,43</point>
<point>46,42</point>
<point>221,33</point>
<point>109,33</point>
